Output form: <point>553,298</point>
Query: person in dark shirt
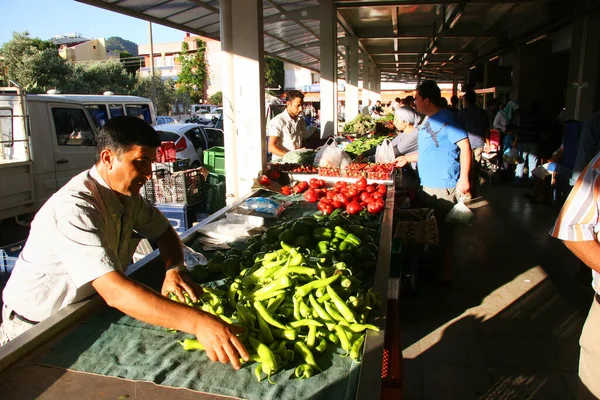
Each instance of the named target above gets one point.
<point>454,103</point>
<point>477,126</point>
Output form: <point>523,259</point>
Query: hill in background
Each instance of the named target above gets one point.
<point>115,43</point>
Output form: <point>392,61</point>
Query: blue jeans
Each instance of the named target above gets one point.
<point>528,153</point>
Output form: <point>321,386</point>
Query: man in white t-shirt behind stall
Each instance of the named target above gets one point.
<point>287,131</point>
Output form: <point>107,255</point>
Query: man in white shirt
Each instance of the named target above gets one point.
<point>287,131</point>
<point>81,243</point>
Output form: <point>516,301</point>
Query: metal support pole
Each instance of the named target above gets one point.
<point>152,81</point>
<point>328,29</point>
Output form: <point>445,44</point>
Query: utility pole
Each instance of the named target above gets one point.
<point>152,81</point>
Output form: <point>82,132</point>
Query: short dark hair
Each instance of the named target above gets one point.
<point>407,101</point>
<point>397,99</point>
<point>470,96</point>
<point>290,95</point>
<point>454,99</point>
<point>120,134</point>
<point>428,89</point>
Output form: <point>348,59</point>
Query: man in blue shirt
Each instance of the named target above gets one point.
<point>444,161</point>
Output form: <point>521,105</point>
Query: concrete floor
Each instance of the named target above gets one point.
<point>508,327</point>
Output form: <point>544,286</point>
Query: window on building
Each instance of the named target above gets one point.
<point>315,77</point>
<point>72,127</point>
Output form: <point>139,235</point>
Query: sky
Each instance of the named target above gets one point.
<point>47,18</point>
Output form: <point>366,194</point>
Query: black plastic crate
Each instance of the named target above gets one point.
<point>182,187</point>
<point>183,216</point>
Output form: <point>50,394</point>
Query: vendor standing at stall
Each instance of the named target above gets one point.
<point>287,131</point>
<point>81,243</point>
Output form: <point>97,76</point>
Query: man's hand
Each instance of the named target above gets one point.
<point>401,161</point>
<point>178,282</point>
<point>220,342</point>
<point>463,185</point>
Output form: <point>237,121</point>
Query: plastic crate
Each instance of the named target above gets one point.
<point>214,159</point>
<point>166,152</point>
<point>182,187</point>
<point>183,216</point>
<point>181,164</point>
<point>215,193</point>
<point>9,255</point>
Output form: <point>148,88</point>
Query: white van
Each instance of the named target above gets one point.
<point>45,140</point>
<point>107,106</point>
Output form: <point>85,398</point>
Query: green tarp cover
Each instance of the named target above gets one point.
<point>116,345</point>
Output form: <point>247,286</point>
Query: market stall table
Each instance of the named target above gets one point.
<point>94,332</point>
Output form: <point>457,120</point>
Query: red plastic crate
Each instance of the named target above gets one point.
<point>166,152</point>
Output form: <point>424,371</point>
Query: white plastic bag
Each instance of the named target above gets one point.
<point>192,258</point>
<point>460,213</point>
<point>385,152</point>
<point>329,143</point>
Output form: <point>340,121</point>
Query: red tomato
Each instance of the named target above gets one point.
<point>361,183</point>
<point>364,196</point>
<point>314,183</point>
<point>382,189</point>
<point>321,183</point>
<point>325,200</point>
<point>375,207</point>
<point>370,189</point>
<point>264,180</point>
<point>341,198</point>
<point>337,204</point>
<point>377,195</point>
<point>274,175</point>
<point>328,209</point>
<point>286,190</point>
<point>330,194</point>
<point>351,192</point>
<point>310,196</point>
<point>353,208</point>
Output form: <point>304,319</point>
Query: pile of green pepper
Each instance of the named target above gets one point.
<point>302,291</point>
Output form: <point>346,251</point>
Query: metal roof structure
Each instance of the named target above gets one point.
<point>404,38</point>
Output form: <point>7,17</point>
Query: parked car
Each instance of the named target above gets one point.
<point>190,140</point>
<point>163,120</point>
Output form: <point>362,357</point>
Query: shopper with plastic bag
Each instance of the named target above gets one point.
<point>444,161</point>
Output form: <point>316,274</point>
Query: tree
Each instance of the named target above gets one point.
<point>98,77</point>
<point>274,73</point>
<point>192,78</point>
<point>33,64</point>
<point>116,43</point>
<point>216,99</point>
<point>166,96</point>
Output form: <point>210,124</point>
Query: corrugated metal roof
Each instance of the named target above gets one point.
<point>398,35</point>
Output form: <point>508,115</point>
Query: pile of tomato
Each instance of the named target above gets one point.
<point>354,198</point>
<point>304,169</point>
<point>370,170</point>
<point>327,171</point>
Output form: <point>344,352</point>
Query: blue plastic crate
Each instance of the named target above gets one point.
<point>182,216</point>
<point>9,255</point>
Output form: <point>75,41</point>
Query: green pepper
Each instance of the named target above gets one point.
<point>258,372</point>
<point>287,334</point>
<point>297,316</point>
<point>245,315</point>
<point>265,296</point>
<point>345,282</point>
<point>232,292</point>
<point>269,365</point>
<point>301,228</point>
<point>341,334</point>
<point>262,311</point>
<point>305,322</point>
<point>303,371</point>
<point>312,336</point>
<point>320,348</point>
<point>334,314</point>
<point>200,274</point>
<point>353,239</point>
<point>323,246</point>
<point>218,256</point>
<point>231,266</point>
<point>346,247</point>
<point>324,298</point>
<point>191,344</point>
<point>361,327</point>
<point>340,305</point>
<point>306,289</point>
<point>340,231</point>
<point>322,234</point>
<point>282,283</point>
<point>270,236</point>
<point>321,312</point>
<point>304,309</point>
<point>335,214</point>
<point>304,351</point>
<point>356,346</point>
<point>294,270</point>
<point>303,242</point>
<point>214,265</point>
<point>320,292</point>
<point>287,236</point>
<point>275,302</point>
<point>264,330</point>
<point>364,253</point>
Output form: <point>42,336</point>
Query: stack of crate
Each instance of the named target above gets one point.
<point>214,161</point>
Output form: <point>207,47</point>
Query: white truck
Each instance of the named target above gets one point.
<point>45,140</point>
